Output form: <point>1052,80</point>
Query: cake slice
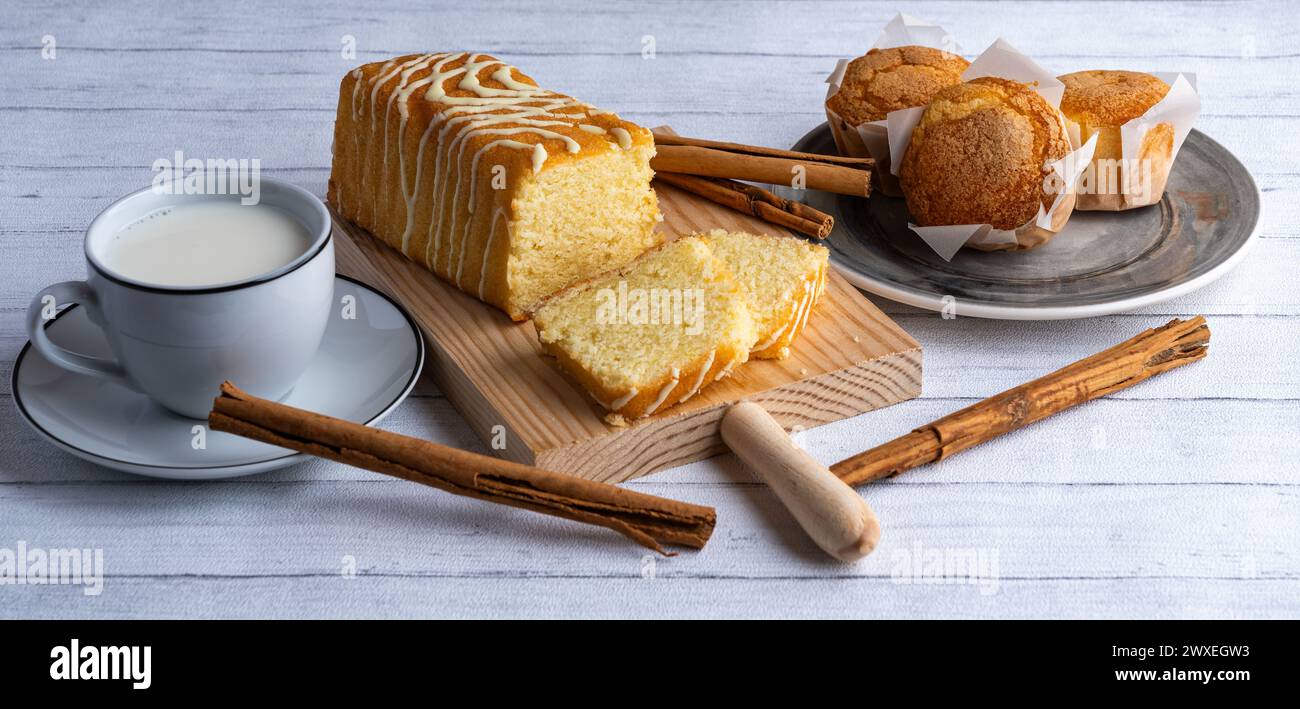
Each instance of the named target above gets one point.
<point>505,190</point>
<point>650,334</point>
<point>783,277</point>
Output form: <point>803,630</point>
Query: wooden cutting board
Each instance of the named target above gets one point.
<point>850,359</point>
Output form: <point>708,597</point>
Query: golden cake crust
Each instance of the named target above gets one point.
<point>811,290</point>
<point>980,155</point>
<point>421,112</point>
<point>884,80</point>
<point>664,393</point>
<point>436,167</point>
<point>1101,97</point>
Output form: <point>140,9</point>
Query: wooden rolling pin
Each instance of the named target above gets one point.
<point>831,512</point>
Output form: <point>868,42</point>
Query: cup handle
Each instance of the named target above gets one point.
<point>69,292</point>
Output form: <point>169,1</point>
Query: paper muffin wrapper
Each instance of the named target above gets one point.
<point>871,140</point>
<point>948,240</point>
<point>1176,112</point>
<point>1005,61</point>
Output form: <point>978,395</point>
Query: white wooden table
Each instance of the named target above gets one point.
<point>1175,498</point>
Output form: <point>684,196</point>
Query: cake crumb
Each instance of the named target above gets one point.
<point>615,420</point>
<point>857,339</point>
<point>803,371</point>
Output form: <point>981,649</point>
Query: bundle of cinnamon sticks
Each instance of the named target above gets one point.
<point>711,169</point>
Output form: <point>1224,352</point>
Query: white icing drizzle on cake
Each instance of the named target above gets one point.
<point>390,70</point>
<point>539,159</point>
<point>805,307</point>
<point>775,335</point>
<point>621,401</point>
<point>357,85</point>
<point>401,95</point>
<point>357,105</point>
<point>800,308</point>
<point>522,107</point>
<point>699,378</point>
<point>497,216</point>
<point>727,369</point>
<point>664,392</point>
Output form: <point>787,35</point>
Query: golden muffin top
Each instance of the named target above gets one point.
<point>981,154</point>
<point>884,80</point>
<point>1100,97</point>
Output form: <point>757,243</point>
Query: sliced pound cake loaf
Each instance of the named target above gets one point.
<point>650,334</point>
<point>783,276</point>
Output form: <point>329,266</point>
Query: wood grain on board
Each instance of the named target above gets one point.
<point>850,359</point>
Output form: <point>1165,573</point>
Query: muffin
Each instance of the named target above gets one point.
<point>1101,102</point>
<point>981,154</point>
<point>884,80</point>
<point>881,81</point>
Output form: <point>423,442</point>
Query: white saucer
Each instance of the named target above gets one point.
<point>365,367</point>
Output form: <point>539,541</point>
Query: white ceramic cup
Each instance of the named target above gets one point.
<point>176,344</point>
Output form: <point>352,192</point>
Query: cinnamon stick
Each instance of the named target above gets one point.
<point>711,158</point>
<point>787,213</point>
<point>663,138</point>
<point>1153,351</point>
<point>646,519</point>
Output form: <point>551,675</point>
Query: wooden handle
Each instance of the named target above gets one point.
<point>830,511</point>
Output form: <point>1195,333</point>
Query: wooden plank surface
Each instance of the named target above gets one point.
<point>1176,498</point>
<point>850,359</point>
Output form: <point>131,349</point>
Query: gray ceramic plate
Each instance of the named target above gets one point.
<point>1102,262</point>
<point>365,367</point>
